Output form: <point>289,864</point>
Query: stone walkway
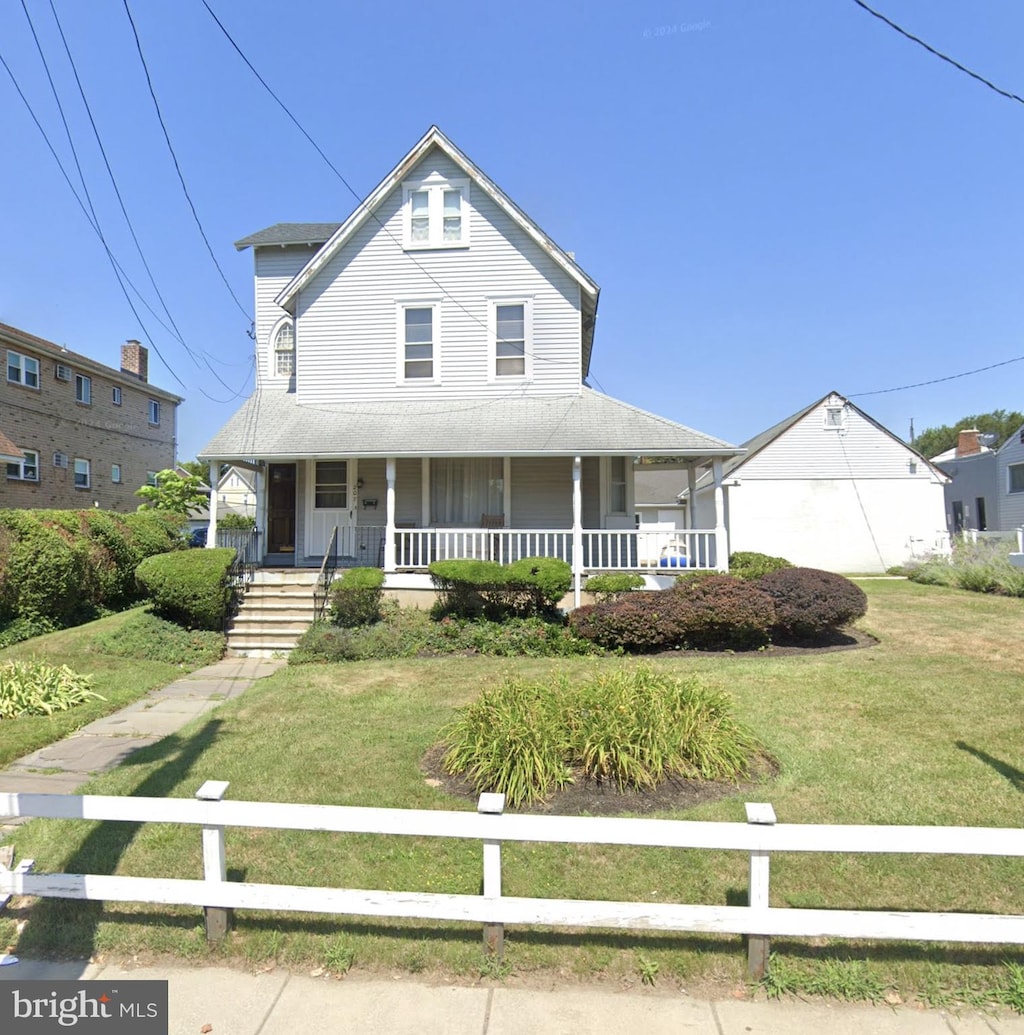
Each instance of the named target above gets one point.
<point>62,767</point>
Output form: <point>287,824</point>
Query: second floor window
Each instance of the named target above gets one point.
<point>82,471</point>
<point>284,350</point>
<point>116,395</point>
<point>27,470</point>
<point>418,343</point>
<point>154,411</point>
<point>115,473</point>
<point>510,340</point>
<point>83,389</point>
<point>22,370</point>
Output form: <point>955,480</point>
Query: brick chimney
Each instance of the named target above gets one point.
<point>135,359</point>
<point>967,443</point>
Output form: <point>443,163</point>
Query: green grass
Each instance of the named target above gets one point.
<point>923,729</point>
<point>120,681</point>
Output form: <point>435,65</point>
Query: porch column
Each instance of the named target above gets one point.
<point>721,533</point>
<point>691,505</point>
<point>577,531</point>
<point>211,532</point>
<point>260,505</point>
<point>389,530</point>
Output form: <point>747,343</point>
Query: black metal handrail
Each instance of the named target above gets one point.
<point>328,566</point>
<point>245,543</point>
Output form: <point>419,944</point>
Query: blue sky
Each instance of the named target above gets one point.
<point>778,198</point>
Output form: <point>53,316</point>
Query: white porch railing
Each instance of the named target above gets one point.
<point>759,836</point>
<point>602,550</point>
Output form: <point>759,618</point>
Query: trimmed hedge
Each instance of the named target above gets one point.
<point>531,586</point>
<point>748,564</point>
<point>810,603</point>
<point>356,597</point>
<point>612,584</point>
<point>190,587</point>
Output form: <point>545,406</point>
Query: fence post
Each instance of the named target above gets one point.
<point>217,918</point>
<point>757,898</point>
<point>494,934</point>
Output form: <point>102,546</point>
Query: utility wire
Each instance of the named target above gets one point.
<point>177,165</point>
<point>939,380</point>
<point>938,53</point>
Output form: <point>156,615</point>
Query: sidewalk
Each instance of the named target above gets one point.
<point>63,767</point>
<point>280,1003</point>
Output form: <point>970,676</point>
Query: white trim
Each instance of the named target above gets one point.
<point>493,301</point>
<point>21,465</point>
<point>401,305</point>
<point>153,409</point>
<point>88,473</point>
<point>271,364</point>
<point>83,389</point>
<point>22,361</point>
<point>435,187</point>
<point>432,138</point>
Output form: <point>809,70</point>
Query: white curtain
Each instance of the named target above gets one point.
<point>462,490</point>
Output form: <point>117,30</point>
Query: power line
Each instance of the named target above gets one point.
<point>938,53</point>
<point>939,380</point>
<point>177,166</point>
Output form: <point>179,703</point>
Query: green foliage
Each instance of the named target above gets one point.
<point>1000,423</point>
<point>848,979</point>
<point>189,586</point>
<point>174,493</point>
<point>647,968</point>
<point>713,612</point>
<point>146,637</point>
<point>412,633</point>
<point>530,586</point>
<point>810,603</point>
<point>34,688</point>
<point>239,522</point>
<point>631,727</point>
<point>356,597</point>
<point>153,532</point>
<point>612,584</point>
<point>46,573</point>
<point>981,567</point>
<point>24,628</point>
<point>748,564</point>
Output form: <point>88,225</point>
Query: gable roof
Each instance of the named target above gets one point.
<point>9,452</point>
<point>271,425</point>
<point>289,233</point>
<point>755,445</point>
<point>434,138</point>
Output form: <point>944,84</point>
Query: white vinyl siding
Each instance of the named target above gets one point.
<point>275,267</point>
<point>541,494</point>
<point>1008,515</point>
<point>346,316</point>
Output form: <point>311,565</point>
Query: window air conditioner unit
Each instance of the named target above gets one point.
<point>62,372</point>
<point>60,460</point>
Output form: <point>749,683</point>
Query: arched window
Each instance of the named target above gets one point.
<point>284,350</point>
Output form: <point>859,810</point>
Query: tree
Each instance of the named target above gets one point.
<point>174,494</point>
<point>1000,423</point>
<point>196,467</point>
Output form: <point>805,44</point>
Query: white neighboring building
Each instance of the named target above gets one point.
<point>236,493</point>
<point>831,488</point>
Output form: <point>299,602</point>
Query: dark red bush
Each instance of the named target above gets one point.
<point>722,612</point>
<point>639,622</point>
<point>810,603</point>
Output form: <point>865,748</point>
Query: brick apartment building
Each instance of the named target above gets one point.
<point>75,433</point>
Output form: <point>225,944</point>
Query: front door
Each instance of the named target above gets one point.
<point>281,508</point>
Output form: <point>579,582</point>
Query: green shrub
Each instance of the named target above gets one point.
<point>530,586</point>
<point>47,575</point>
<point>810,603</point>
<point>146,637</point>
<point>17,630</point>
<point>610,585</point>
<point>34,688</point>
<point>356,597</point>
<point>748,564</point>
<point>634,728</point>
<point>239,522</point>
<point>189,586</point>
<point>153,531</point>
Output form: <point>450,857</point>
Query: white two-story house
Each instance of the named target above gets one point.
<point>421,388</point>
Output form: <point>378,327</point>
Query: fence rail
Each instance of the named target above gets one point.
<point>760,836</point>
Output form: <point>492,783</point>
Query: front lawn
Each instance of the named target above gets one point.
<point>924,728</point>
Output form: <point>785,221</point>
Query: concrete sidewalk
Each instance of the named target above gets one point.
<point>62,767</point>
<point>281,1003</point>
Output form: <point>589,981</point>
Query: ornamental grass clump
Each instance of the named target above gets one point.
<point>34,688</point>
<point>633,728</point>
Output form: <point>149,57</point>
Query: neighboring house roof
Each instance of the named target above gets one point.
<point>951,454</point>
<point>9,452</point>
<point>657,488</point>
<point>755,445</point>
<point>271,425</point>
<point>14,336</point>
<point>431,139</point>
<point>243,476</point>
<point>289,233</point>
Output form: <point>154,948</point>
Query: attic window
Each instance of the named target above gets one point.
<point>436,214</point>
<point>833,416</point>
<point>284,350</point>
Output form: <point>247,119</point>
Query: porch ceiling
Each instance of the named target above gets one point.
<point>271,425</point>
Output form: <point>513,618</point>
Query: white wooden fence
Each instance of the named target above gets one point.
<point>760,836</point>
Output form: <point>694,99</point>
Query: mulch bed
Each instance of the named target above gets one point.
<point>594,798</point>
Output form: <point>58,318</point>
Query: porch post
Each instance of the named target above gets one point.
<point>721,533</point>
<point>211,532</point>
<point>259,505</point>
<point>691,505</point>
<point>577,531</point>
<point>389,530</point>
